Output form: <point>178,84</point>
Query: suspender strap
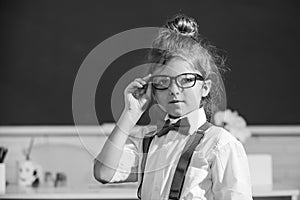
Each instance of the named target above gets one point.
<point>184,161</point>
<point>146,145</point>
<point>182,165</point>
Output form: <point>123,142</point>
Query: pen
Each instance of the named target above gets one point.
<point>3,152</point>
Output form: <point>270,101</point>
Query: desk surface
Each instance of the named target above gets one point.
<point>105,192</point>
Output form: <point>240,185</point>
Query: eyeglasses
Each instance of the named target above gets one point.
<point>186,80</point>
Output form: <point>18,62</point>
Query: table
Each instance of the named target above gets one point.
<point>113,192</point>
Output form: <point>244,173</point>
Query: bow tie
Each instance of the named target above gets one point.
<point>181,126</point>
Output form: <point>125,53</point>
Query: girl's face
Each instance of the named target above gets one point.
<point>177,101</point>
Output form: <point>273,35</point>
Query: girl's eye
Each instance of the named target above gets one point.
<point>186,80</point>
<point>163,82</point>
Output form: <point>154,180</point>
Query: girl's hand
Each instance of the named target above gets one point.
<point>138,96</point>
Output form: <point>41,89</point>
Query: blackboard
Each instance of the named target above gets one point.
<point>43,44</point>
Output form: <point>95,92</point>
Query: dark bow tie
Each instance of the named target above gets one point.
<point>181,126</point>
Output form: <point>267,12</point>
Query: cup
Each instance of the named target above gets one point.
<point>2,178</point>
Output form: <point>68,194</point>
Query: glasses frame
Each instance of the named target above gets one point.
<point>197,77</point>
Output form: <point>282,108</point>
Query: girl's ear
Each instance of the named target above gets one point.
<point>206,87</point>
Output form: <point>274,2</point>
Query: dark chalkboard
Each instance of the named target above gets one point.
<point>43,44</point>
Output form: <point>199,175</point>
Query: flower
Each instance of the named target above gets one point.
<point>234,123</point>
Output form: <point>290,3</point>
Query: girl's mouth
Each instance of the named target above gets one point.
<point>174,101</point>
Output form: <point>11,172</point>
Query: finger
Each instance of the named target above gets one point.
<point>133,86</point>
<point>141,81</point>
<point>137,84</point>
<point>146,78</point>
<point>149,90</point>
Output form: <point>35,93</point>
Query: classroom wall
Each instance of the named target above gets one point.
<point>44,43</point>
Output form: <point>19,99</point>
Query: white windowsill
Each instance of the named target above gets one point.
<point>105,129</point>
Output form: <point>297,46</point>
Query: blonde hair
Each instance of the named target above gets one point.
<point>180,38</point>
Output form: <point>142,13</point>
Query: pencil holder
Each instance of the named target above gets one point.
<point>29,173</point>
<point>2,178</point>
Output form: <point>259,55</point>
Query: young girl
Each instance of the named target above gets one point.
<point>184,82</point>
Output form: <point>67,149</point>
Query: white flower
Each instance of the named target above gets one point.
<point>234,123</point>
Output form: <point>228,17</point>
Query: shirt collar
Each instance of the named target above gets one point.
<point>195,118</point>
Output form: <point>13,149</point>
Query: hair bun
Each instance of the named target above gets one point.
<point>184,25</point>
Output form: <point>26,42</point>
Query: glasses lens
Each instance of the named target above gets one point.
<point>161,82</point>
<point>186,80</point>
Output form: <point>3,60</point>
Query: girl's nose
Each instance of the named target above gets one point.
<point>173,88</point>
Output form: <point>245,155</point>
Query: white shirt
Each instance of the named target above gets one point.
<point>218,169</point>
